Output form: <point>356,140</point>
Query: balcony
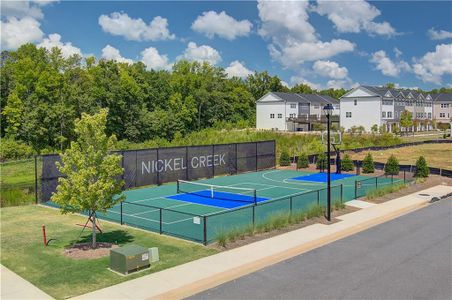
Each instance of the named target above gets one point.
<point>312,119</point>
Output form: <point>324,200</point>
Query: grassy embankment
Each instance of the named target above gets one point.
<point>62,277</point>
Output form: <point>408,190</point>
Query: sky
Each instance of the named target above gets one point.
<point>321,43</point>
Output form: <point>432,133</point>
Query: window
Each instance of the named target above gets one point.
<point>348,114</point>
<point>444,105</point>
<point>442,115</point>
<point>429,115</point>
<point>279,116</point>
<point>383,114</point>
<point>390,114</point>
<point>293,106</point>
<point>292,115</point>
<point>272,116</point>
<point>355,102</point>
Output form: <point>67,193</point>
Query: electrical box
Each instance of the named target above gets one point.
<point>129,259</point>
<point>154,253</point>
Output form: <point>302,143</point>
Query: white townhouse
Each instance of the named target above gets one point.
<point>369,105</point>
<point>293,112</point>
<point>442,107</point>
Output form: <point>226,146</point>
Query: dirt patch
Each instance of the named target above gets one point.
<point>84,251</point>
<point>265,235</point>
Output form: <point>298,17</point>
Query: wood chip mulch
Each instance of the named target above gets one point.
<point>84,251</point>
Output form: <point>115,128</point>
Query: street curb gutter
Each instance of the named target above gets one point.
<point>201,285</point>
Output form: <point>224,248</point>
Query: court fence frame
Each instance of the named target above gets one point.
<point>155,166</point>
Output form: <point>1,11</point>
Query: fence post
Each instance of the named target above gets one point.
<point>213,165</point>
<point>236,159</point>
<point>205,230</point>
<point>36,180</point>
<point>161,221</point>
<point>356,189</point>
<point>318,197</point>
<point>156,168</point>
<point>123,176</point>
<point>376,182</point>
<point>404,176</point>
<point>254,216</point>
<point>290,207</point>
<point>392,179</point>
<point>274,153</point>
<point>342,192</point>
<point>255,143</point>
<point>121,214</point>
<point>186,163</point>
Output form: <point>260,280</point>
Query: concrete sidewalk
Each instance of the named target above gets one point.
<point>193,277</point>
<point>15,287</point>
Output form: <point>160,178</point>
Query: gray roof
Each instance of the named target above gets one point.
<point>443,97</point>
<point>306,98</point>
<point>381,91</point>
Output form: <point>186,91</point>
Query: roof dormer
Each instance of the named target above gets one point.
<point>388,94</point>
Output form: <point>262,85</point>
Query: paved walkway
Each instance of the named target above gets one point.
<point>15,287</point>
<point>190,278</point>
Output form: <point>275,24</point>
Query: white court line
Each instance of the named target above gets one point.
<point>172,206</point>
<point>152,220</point>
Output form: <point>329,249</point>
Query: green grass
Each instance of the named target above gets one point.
<point>62,277</point>
<point>372,194</point>
<point>17,183</point>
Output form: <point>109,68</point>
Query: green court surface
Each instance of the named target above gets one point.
<point>150,209</point>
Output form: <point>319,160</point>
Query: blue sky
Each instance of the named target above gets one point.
<point>321,43</point>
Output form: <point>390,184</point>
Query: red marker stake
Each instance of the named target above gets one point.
<point>44,235</point>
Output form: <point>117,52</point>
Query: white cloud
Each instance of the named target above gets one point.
<point>54,40</point>
<point>15,32</point>
<point>20,9</point>
<point>387,66</point>
<point>439,34</point>
<point>154,60</point>
<point>341,84</point>
<point>354,16</point>
<point>111,53</point>
<point>397,52</point>
<point>223,25</point>
<point>433,65</point>
<point>201,53</point>
<point>294,54</point>
<point>293,39</point>
<point>237,69</point>
<point>136,29</point>
<point>330,69</point>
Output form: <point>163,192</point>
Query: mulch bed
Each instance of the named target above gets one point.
<point>84,250</point>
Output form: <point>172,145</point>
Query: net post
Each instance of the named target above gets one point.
<point>177,187</point>
<point>205,230</point>
<point>161,221</point>
<point>36,180</point>
<point>121,214</point>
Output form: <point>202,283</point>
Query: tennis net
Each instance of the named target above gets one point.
<point>229,193</point>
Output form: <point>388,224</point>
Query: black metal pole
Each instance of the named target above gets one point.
<point>36,180</point>
<point>328,213</point>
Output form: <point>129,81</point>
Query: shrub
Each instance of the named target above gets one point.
<point>321,161</point>
<point>347,163</point>
<point>392,166</point>
<point>222,238</point>
<point>422,170</point>
<point>314,211</point>
<point>284,159</point>
<point>338,205</point>
<point>368,164</point>
<point>303,161</point>
<point>13,150</point>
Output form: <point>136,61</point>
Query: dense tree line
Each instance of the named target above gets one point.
<point>43,93</point>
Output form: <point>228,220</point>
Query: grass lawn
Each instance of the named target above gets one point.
<point>18,182</point>
<point>437,155</point>
<point>62,277</point>
<point>424,136</point>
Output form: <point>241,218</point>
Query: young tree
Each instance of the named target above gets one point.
<point>368,164</point>
<point>374,128</point>
<point>347,163</point>
<point>321,161</point>
<point>392,166</point>
<point>284,159</point>
<point>303,161</point>
<point>90,172</point>
<point>406,119</point>
<point>422,170</point>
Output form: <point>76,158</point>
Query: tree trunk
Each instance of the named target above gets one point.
<point>93,245</point>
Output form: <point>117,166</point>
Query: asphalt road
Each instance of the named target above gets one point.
<point>407,258</point>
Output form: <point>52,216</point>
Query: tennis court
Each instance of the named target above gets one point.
<point>199,210</point>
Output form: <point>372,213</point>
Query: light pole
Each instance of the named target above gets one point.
<point>328,109</point>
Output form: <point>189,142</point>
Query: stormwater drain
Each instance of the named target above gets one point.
<point>427,195</point>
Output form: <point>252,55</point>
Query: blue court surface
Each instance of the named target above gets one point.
<point>219,199</point>
<point>322,177</point>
